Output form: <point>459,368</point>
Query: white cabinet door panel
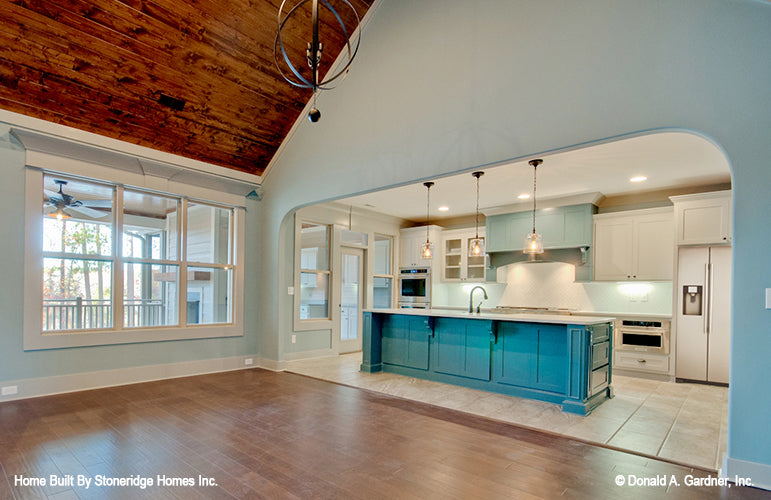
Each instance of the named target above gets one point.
<point>612,250</point>
<point>654,249</point>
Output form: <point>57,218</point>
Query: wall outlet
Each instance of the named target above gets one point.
<point>290,290</point>
<point>248,361</point>
<point>9,390</point>
<point>294,339</point>
<point>768,298</point>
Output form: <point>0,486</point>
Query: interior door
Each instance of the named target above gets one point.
<point>351,299</point>
<point>692,313</point>
<point>719,315</point>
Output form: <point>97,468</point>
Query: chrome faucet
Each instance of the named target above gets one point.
<point>471,298</point>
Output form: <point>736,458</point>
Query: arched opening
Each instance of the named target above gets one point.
<point>612,275</point>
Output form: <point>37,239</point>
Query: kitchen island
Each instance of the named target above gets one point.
<point>556,358</point>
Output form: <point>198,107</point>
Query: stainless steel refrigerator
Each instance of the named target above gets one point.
<point>703,313</point>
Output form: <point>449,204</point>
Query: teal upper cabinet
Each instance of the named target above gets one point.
<point>561,227</point>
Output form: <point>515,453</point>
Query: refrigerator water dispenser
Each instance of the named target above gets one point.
<point>692,300</point>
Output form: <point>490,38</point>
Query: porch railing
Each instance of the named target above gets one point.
<point>84,314</point>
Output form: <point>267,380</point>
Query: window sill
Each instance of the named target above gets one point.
<point>63,340</point>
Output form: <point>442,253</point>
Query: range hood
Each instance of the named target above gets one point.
<point>580,257</point>
<point>567,236</point>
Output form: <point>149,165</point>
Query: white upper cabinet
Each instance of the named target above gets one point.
<point>703,219</point>
<point>412,239</point>
<point>457,264</point>
<point>634,245</point>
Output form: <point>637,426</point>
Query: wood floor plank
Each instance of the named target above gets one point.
<point>262,434</point>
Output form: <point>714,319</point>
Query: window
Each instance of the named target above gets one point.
<point>383,272</point>
<point>314,271</point>
<point>121,264</point>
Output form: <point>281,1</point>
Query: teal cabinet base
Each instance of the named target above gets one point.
<point>371,368</point>
<point>556,363</point>
<point>586,407</point>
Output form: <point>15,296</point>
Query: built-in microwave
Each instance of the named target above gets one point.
<point>643,336</point>
<point>415,285</point>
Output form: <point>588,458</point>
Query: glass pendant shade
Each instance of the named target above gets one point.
<point>533,244</point>
<point>427,248</point>
<point>476,247</point>
<point>427,251</point>
<point>533,241</point>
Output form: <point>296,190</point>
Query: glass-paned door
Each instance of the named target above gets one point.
<point>351,299</point>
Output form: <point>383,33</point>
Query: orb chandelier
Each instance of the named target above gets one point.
<point>314,50</point>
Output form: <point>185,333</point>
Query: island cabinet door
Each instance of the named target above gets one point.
<point>405,340</point>
<point>462,347</point>
<point>531,355</point>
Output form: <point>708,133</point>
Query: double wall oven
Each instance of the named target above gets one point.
<point>415,288</point>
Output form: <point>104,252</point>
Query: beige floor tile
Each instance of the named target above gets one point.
<point>487,405</point>
<point>689,449</point>
<point>629,440</point>
<point>595,428</point>
<point>655,428</point>
<point>618,407</point>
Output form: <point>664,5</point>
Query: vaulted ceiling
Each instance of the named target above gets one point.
<point>108,67</point>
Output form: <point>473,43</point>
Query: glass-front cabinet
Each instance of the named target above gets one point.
<point>457,264</point>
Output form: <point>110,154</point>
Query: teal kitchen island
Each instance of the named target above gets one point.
<point>556,358</point>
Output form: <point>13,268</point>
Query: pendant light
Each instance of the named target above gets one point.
<point>476,246</point>
<point>59,214</point>
<point>534,241</point>
<point>427,248</point>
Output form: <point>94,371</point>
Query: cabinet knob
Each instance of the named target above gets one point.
<point>634,276</point>
<point>724,238</point>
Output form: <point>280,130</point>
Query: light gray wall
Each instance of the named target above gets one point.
<point>17,364</point>
<point>442,86</point>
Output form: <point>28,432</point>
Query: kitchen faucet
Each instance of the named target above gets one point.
<point>471,299</point>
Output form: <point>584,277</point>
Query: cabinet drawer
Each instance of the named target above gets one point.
<point>642,362</point>
<point>600,354</point>
<point>598,380</point>
<point>600,333</point>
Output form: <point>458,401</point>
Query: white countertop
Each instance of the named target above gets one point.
<point>622,315</point>
<point>560,319</point>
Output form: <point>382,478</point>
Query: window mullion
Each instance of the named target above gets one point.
<point>117,252</point>
<point>182,255</point>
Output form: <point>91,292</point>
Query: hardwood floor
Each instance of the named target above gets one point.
<point>260,434</point>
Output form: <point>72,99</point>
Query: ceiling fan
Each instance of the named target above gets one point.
<point>62,206</point>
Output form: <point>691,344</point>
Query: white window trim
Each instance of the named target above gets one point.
<point>36,339</point>
<point>391,266</point>
<point>304,325</point>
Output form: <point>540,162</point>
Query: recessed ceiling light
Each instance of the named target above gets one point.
<point>524,196</point>
<point>639,178</point>
<point>443,208</point>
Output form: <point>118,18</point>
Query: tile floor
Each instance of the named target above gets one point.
<point>685,423</point>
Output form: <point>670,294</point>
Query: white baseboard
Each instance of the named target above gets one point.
<point>319,353</point>
<point>58,384</point>
<point>271,364</point>
<point>759,474</point>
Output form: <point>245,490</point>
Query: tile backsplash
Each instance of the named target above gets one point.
<point>551,285</point>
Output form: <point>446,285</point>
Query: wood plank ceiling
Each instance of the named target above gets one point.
<point>103,65</point>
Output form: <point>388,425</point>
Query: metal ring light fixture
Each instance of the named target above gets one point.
<point>314,50</point>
